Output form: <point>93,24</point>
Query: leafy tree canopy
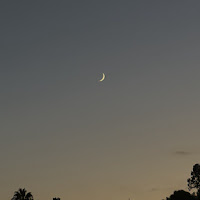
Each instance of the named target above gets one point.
<point>181,195</point>
<point>194,181</point>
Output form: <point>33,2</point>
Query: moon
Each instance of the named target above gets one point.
<point>104,76</point>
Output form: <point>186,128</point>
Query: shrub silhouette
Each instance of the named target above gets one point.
<point>181,195</point>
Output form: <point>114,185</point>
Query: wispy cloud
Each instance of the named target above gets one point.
<point>155,189</point>
<point>182,153</point>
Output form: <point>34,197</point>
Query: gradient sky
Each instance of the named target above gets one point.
<point>64,134</point>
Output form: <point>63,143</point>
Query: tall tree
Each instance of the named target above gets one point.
<point>194,181</point>
<point>22,194</point>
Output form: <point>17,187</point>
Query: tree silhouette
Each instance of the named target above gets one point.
<point>22,194</point>
<point>194,181</point>
<point>181,195</point>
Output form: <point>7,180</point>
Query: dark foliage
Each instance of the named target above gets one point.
<point>22,194</point>
<point>181,195</point>
<point>194,181</point>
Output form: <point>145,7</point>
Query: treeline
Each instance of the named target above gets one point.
<point>193,183</point>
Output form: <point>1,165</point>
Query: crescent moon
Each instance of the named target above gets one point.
<point>104,76</point>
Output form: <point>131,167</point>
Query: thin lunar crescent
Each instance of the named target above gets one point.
<point>104,76</point>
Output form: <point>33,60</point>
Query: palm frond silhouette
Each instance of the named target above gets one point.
<point>22,194</point>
